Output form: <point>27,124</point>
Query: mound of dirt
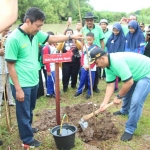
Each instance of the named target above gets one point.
<point>100,128</point>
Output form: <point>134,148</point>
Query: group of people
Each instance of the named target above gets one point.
<point>94,48</point>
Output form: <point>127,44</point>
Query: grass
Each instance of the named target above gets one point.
<point>137,143</point>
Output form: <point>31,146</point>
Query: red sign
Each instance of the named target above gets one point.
<point>57,58</point>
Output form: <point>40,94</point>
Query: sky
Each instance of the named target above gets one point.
<point>119,5</point>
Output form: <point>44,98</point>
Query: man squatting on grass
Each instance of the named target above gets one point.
<point>134,71</point>
<point>22,61</point>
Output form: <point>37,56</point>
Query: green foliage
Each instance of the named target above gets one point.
<point>58,11</point>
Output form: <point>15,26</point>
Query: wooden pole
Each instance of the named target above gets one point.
<point>57,93</point>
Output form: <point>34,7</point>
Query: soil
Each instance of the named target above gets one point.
<point>99,127</point>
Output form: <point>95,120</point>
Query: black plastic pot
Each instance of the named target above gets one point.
<point>65,140</point>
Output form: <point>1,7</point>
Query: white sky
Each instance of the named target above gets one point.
<point>119,5</point>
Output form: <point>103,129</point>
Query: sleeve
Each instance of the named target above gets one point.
<point>11,50</point>
<point>78,44</point>
<point>141,48</point>
<point>59,47</point>
<point>46,51</point>
<point>42,37</point>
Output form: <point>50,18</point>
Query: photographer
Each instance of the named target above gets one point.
<point>147,39</point>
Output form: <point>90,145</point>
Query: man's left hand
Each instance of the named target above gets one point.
<point>117,101</point>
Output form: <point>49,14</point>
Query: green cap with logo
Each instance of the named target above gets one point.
<point>96,53</point>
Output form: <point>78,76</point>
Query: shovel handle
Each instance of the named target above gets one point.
<point>86,117</point>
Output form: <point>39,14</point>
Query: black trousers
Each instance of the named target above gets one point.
<point>41,88</point>
<point>70,69</point>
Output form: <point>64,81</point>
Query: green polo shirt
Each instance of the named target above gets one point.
<point>97,31</point>
<point>22,49</point>
<point>107,34</point>
<point>127,65</point>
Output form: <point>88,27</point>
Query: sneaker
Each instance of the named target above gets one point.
<point>96,90</point>
<point>1,142</point>
<point>73,87</point>
<point>77,94</point>
<point>12,104</point>
<point>117,113</point>
<point>35,143</point>
<point>126,136</point>
<point>49,95</point>
<point>35,130</point>
<point>88,96</point>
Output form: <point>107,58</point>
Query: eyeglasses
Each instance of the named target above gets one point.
<point>89,20</point>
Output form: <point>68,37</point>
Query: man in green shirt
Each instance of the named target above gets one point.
<point>23,65</point>
<point>134,71</point>
<point>99,41</point>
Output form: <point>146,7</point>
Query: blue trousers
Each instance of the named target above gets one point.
<point>24,112</point>
<point>84,78</point>
<point>133,103</point>
<point>51,83</point>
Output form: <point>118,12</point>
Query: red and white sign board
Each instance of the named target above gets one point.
<point>57,58</point>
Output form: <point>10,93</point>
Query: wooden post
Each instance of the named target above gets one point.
<point>57,93</point>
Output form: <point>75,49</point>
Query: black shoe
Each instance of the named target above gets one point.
<point>1,142</point>
<point>74,87</point>
<point>85,89</point>
<point>88,96</point>
<point>35,143</point>
<point>126,136</point>
<point>65,90</point>
<point>35,130</point>
<point>77,94</point>
<point>117,113</point>
<point>96,90</point>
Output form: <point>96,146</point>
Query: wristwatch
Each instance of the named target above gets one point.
<point>119,97</point>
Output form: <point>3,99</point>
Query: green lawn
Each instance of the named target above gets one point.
<point>139,142</point>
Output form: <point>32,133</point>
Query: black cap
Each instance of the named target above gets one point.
<point>141,24</point>
<point>89,15</point>
<point>96,53</point>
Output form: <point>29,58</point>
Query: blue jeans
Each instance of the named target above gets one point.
<point>24,112</point>
<point>133,103</point>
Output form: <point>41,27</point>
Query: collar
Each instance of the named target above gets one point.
<point>109,61</point>
<point>21,29</point>
<point>106,30</point>
<point>92,28</point>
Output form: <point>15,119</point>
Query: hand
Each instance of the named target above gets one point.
<point>102,109</point>
<point>86,68</point>
<point>117,101</point>
<point>20,95</point>
<point>77,36</point>
<point>49,73</point>
<point>2,52</point>
<point>122,20</point>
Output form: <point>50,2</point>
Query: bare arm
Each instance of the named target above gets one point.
<point>14,77</point>
<point>68,24</point>
<point>62,38</point>
<point>9,13</point>
<point>102,44</point>
<point>110,90</point>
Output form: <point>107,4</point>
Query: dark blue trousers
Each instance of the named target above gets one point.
<point>84,77</point>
